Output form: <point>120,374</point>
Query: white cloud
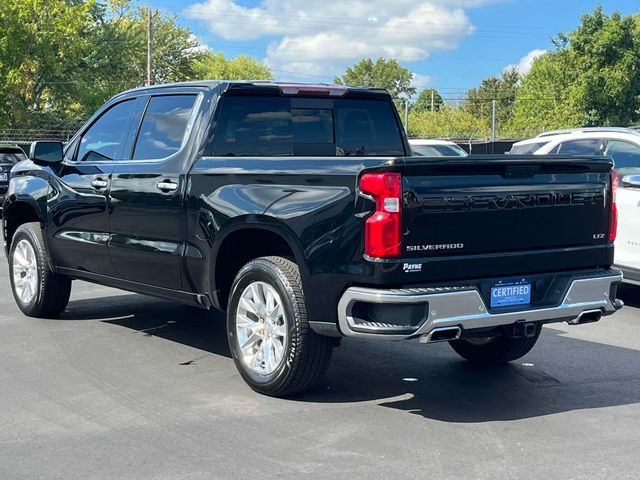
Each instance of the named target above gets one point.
<point>321,37</point>
<point>420,81</point>
<point>524,64</point>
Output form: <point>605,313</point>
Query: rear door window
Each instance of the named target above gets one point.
<point>163,126</point>
<point>12,157</point>
<point>277,126</point>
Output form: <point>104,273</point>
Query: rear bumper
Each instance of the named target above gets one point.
<point>426,310</point>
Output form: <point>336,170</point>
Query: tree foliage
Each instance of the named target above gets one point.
<point>448,122</point>
<point>382,73</point>
<point>424,101</point>
<point>41,43</point>
<point>61,59</point>
<point>502,89</point>
<point>592,78</point>
<point>242,67</point>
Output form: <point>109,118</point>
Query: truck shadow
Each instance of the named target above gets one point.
<point>559,375</point>
<point>190,326</point>
<point>630,295</point>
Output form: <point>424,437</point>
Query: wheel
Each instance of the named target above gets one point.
<point>38,291</point>
<point>273,347</point>
<point>495,350</point>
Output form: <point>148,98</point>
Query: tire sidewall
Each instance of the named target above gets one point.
<point>262,271</point>
<point>25,233</point>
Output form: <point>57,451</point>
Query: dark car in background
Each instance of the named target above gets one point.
<point>9,156</point>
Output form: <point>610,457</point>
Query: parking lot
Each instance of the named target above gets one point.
<point>126,386</point>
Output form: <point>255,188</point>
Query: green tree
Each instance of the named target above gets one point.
<point>427,98</point>
<point>544,100</point>
<point>118,52</point>
<point>502,89</point>
<point>40,43</point>
<point>447,122</point>
<point>591,78</point>
<point>215,66</point>
<point>382,73</point>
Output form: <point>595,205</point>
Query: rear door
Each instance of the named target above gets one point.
<point>146,194</point>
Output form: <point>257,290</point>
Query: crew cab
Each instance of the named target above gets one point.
<point>298,210</point>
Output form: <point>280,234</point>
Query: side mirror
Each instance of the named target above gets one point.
<point>632,181</point>
<point>46,151</point>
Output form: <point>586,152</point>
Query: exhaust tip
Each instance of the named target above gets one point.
<point>443,334</point>
<point>588,316</point>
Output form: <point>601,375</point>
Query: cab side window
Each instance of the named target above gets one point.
<point>163,127</point>
<point>105,139</point>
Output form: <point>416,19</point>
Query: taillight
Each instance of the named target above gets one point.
<point>383,229</point>
<point>613,222</point>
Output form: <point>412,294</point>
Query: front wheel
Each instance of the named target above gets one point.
<point>38,291</point>
<point>495,350</point>
<point>273,347</point>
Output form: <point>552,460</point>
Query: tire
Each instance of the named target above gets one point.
<point>497,350</point>
<point>37,290</point>
<point>282,355</point>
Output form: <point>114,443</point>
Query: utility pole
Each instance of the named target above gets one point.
<point>149,48</point>
<point>493,120</point>
<point>406,115</point>
<point>432,99</point>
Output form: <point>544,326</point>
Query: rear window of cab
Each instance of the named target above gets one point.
<point>280,126</point>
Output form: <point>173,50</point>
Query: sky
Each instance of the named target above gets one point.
<point>450,45</point>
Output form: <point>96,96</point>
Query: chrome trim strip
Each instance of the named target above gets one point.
<point>464,306</point>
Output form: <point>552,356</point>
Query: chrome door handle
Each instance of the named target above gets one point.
<point>99,183</point>
<point>167,186</point>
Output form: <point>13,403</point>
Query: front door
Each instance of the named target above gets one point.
<point>79,218</point>
<point>146,243</point>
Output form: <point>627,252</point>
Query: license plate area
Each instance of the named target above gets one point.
<point>510,292</point>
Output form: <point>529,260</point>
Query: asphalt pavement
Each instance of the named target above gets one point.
<point>124,386</point>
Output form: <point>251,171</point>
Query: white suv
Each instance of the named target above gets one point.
<point>621,144</point>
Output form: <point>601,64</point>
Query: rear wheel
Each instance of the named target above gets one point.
<point>274,349</point>
<point>38,291</point>
<point>495,350</point>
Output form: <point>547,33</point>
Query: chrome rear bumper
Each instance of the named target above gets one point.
<point>464,307</point>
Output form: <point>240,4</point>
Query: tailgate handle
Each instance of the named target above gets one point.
<point>521,171</point>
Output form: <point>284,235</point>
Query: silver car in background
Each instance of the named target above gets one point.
<point>435,148</point>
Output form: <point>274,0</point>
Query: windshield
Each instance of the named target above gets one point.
<point>437,151</point>
<point>527,148</point>
<point>12,157</point>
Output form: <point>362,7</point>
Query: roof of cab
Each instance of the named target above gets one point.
<point>227,84</point>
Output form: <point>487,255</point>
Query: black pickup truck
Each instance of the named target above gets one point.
<point>298,211</point>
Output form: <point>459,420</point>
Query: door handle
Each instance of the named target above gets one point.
<point>98,183</point>
<point>167,186</point>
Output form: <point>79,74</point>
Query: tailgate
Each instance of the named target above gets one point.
<point>481,205</point>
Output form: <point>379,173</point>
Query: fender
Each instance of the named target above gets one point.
<point>26,189</point>
<point>256,222</point>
